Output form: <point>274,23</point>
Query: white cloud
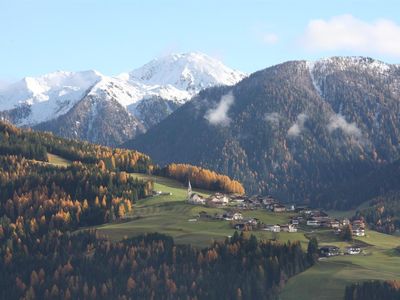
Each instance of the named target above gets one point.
<point>346,32</point>
<point>339,122</point>
<point>270,38</point>
<point>272,118</point>
<point>219,114</point>
<point>298,126</point>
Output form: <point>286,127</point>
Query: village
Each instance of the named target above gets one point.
<point>301,218</point>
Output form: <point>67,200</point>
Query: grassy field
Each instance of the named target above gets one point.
<point>58,160</point>
<point>347,213</point>
<point>170,214</point>
<point>328,278</point>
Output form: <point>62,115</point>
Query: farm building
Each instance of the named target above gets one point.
<point>352,250</point>
<point>289,228</point>
<point>327,251</point>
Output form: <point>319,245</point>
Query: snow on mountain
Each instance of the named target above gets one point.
<point>174,78</point>
<point>321,69</point>
<point>48,96</point>
<point>180,76</point>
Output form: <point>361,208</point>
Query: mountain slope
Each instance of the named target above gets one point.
<point>293,130</point>
<point>99,120</point>
<point>34,100</point>
<point>137,100</point>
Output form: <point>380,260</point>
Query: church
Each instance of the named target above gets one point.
<point>194,198</point>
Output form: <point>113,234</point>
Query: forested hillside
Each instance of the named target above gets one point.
<point>46,254</point>
<point>297,130</point>
<point>383,213</point>
<point>36,145</point>
<point>373,290</point>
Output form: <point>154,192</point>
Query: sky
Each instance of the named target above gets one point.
<point>115,36</point>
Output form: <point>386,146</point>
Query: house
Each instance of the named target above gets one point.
<point>352,250</point>
<point>218,199</point>
<point>237,216</point>
<point>327,251</point>
<point>358,232</point>
<point>358,224</point>
<point>252,222</point>
<point>345,222</point>
<point>278,208</point>
<point>290,208</point>
<point>230,216</point>
<point>196,199</point>
<point>294,221</point>
<point>272,228</point>
<point>319,221</point>
<point>305,211</point>
<point>289,228</point>
<point>318,214</point>
<point>331,223</point>
<point>313,222</point>
<point>239,199</point>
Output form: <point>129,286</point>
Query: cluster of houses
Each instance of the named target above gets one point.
<point>279,228</point>
<point>317,218</point>
<point>217,199</point>
<point>328,251</point>
<point>239,222</point>
<point>242,202</point>
<point>309,217</point>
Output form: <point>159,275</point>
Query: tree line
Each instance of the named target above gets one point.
<point>383,213</point>
<point>88,266</point>
<point>202,178</point>
<point>373,290</point>
<point>45,254</point>
<point>36,145</point>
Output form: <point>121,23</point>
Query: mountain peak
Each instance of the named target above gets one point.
<point>345,62</point>
<point>191,72</point>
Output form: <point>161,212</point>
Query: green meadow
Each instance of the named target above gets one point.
<point>170,214</point>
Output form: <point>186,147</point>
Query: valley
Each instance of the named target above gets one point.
<point>325,280</point>
<point>200,150</point>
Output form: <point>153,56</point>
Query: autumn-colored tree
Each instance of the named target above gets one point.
<point>34,278</point>
<point>202,178</point>
<point>130,284</point>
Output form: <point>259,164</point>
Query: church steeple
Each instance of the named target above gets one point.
<point>189,190</point>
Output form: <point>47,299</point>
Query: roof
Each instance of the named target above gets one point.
<point>329,248</point>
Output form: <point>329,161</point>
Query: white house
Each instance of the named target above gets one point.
<point>353,250</point>
<point>196,199</point>
<point>218,199</point>
<point>359,232</point>
<point>289,228</point>
<point>313,222</point>
<point>273,228</point>
<point>237,216</point>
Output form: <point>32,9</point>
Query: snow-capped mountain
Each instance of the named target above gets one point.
<point>186,74</point>
<point>147,95</point>
<point>48,96</point>
<point>294,129</point>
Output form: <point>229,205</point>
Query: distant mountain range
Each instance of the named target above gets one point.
<point>296,130</point>
<point>110,110</point>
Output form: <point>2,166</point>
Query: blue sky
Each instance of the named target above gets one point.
<point>41,36</point>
